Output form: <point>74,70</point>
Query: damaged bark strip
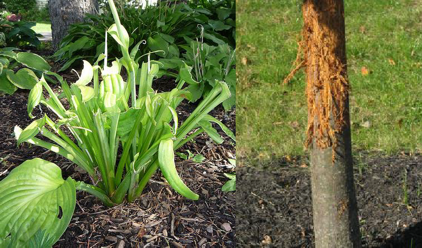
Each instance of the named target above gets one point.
<point>328,134</point>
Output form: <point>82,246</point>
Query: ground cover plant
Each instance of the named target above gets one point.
<point>386,124</point>
<point>99,118</point>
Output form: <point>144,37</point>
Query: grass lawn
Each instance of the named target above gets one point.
<point>42,27</point>
<point>385,37</point>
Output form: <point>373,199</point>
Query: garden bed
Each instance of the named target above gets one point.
<point>160,217</point>
<point>274,206</point>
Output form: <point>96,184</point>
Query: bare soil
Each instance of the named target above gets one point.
<point>274,205</point>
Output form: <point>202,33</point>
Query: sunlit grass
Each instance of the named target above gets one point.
<point>386,105</point>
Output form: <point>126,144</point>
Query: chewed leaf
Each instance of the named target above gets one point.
<point>87,74</point>
<point>36,204</point>
<point>23,79</point>
<point>168,168</point>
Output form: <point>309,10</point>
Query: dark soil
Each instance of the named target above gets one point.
<point>161,217</point>
<point>274,207</point>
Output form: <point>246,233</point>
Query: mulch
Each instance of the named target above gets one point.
<point>160,217</point>
<point>274,205</point>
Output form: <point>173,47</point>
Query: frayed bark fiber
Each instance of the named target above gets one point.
<point>328,134</point>
<point>324,57</point>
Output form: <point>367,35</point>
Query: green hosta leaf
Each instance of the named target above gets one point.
<point>23,79</point>
<point>168,168</point>
<point>33,61</point>
<point>157,43</point>
<point>36,204</point>
<point>34,97</point>
<point>219,25</point>
<point>123,41</point>
<point>186,75</point>
<point>231,184</point>
<point>9,54</point>
<point>30,131</point>
<point>126,122</point>
<point>87,74</point>
<point>4,61</point>
<point>6,86</point>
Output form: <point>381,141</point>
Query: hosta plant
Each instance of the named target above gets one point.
<point>24,78</point>
<point>120,132</point>
<point>209,64</point>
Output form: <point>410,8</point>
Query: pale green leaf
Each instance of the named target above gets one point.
<point>35,204</point>
<point>87,74</point>
<point>168,168</point>
<point>33,61</point>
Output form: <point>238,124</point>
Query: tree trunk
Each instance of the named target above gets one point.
<point>335,210</point>
<point>66,12</point>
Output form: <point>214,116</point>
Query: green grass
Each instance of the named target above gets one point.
<point>271,118</point>
<point>42,27</point>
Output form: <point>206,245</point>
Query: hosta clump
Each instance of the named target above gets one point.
<point>105,115</point>
<point>24,78</point>
<point>210,64</point>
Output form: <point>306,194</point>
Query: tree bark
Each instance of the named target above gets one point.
<point>66,12</point>
<point>335,212</point>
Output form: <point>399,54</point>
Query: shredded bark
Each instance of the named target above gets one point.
<point>322,53</point>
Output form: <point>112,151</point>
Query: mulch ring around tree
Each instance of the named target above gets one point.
<point>274,206</point>
<point>160,217</point>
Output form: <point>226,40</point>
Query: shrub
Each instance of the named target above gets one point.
<point>19,34</point>
<point>17,6</point>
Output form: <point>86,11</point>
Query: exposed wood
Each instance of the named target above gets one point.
<point>329,139</point>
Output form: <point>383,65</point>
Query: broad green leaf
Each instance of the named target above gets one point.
<point>126,122</point>
<point>87,74</point>
<point>168,168</point>
<point>33,61</point>
<point>23,79</point>
<point>36,204</point>
<point>9,54</point>
<point>34,97</point>
<point>6,86</point>
<point>186,75</point>
<point>30,131</point>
